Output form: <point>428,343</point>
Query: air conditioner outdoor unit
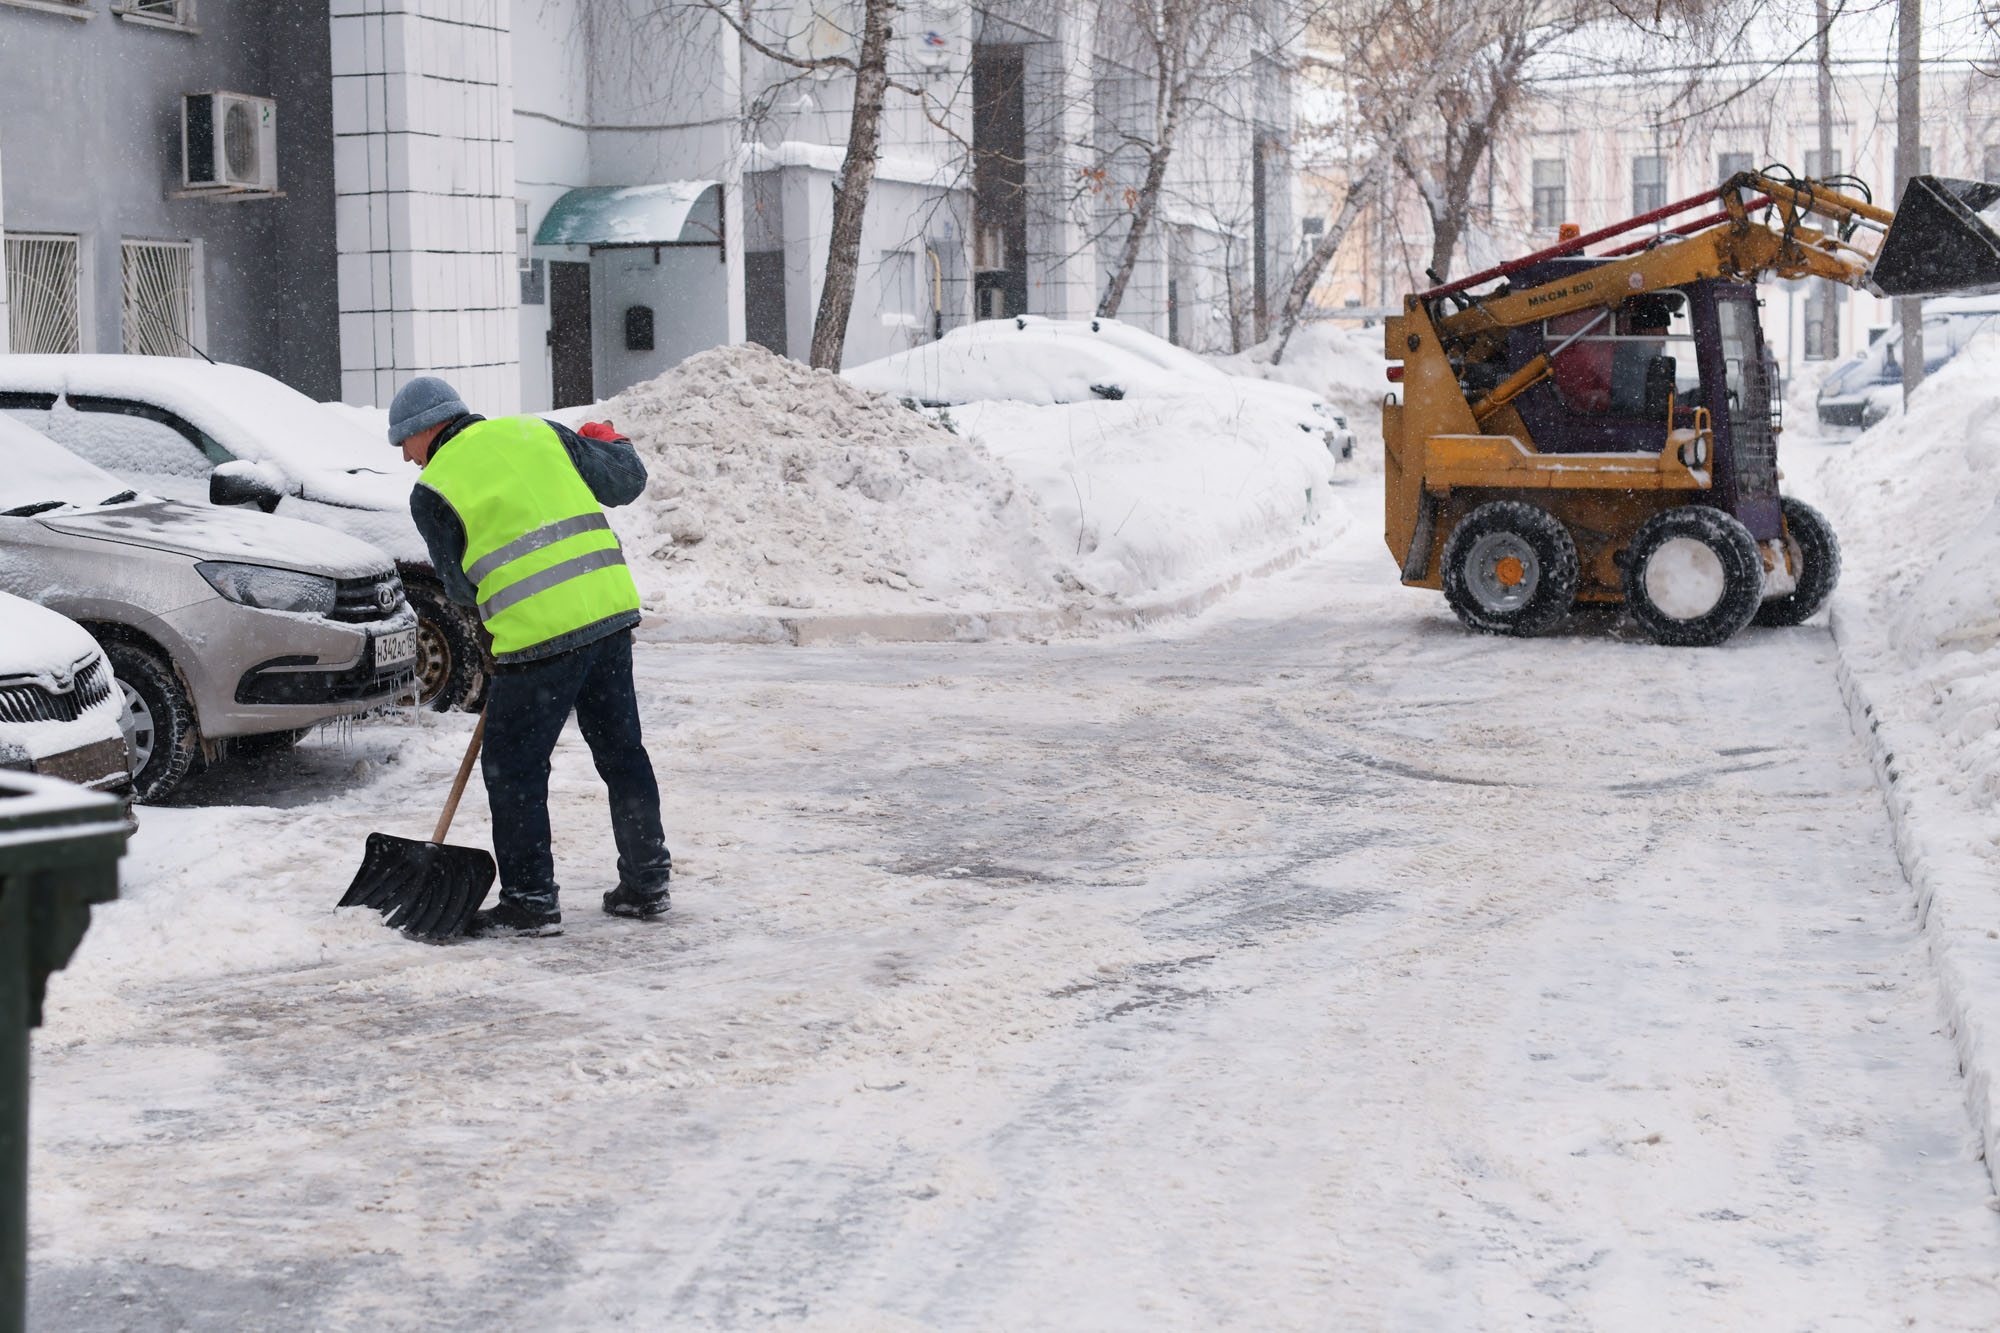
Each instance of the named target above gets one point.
<point>229,142</point>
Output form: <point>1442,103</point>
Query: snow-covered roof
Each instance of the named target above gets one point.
<point>248,413</point>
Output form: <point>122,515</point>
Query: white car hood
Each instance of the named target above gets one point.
<point>35,641</point>
<point>212,533</point>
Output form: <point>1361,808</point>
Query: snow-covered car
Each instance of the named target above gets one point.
<point>228,435</point>
<point>1867,386</point>
<point>59,708</point>
<point>220,625</point>
<point>1035,360</point>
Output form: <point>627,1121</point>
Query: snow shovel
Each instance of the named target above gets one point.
<point>425,889</point>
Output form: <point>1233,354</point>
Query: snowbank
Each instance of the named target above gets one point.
<point>778,487</point>
<point>1155,496</point>
<point>1916,503</point>
<point>1345,366</point>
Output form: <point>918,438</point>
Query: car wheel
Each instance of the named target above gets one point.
<point>159,717</point>
<point>450,664</point>
<point>1815,553</point>
<point>1693,576</point>
<point>1510,568</point>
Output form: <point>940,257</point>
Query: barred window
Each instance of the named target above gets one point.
<point>1551,193</point>
<point>159,297</point>
<point>167,13</point>
<point>44,310</point>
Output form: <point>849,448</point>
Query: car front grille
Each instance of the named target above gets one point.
<point>377,597</point>
<point>26,701</point>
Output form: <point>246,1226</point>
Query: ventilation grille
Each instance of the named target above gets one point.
<point>42,305</point>
<point>26,701</point>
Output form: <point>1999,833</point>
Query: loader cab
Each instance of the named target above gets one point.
<point>1609,389</point>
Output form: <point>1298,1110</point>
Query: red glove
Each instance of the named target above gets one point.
<point>600,430</point>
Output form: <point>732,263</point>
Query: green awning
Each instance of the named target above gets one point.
<point>668,213</point>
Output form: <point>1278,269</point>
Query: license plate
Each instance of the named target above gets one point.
<point>391,649</point>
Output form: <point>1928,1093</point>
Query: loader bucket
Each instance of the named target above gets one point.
<point>1943,240</point>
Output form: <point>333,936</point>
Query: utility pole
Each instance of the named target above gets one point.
<point>1826,346</point>
<point>1909,164</point>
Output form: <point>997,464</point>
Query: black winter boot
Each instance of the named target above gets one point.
<point>507,918</point>
<point>643,904</point>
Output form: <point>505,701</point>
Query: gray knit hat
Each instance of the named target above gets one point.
<point>421,404</point>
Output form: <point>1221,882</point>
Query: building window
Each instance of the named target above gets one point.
<point>1990,163</point>
<point>76,9</point>
<point>989,246</point>
<point>534,283</point>
<point>1729,164</point>
<point>1649,184</point>
<point>44,313</point>
<point>1819,166</point>
<point>159,13</point>
<point>1551,195</point>
<point>159,297</point>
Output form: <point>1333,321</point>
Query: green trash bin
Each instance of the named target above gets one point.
<point>59,850</point>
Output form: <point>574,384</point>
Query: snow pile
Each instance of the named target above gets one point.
<point>776,486</point>
<point>1147,496</point>
<point>1345,366</point>
<point>1914,503</point>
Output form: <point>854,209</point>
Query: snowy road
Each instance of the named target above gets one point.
<point>1313,965</point>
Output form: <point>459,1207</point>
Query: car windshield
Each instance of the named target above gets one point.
<point>37,474</point>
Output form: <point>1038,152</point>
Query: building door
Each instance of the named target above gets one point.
<point>999,183</point>
<point>569,335</point>
<point>764,299</point>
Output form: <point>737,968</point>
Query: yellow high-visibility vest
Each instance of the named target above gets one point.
<point>538,547</point>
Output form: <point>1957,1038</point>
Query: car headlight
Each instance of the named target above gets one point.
<point>267,588</point>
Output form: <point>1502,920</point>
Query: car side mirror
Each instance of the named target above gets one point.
<point>243,482</point>
<point>1660,372</point>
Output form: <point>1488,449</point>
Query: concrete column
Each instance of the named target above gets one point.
<point>424,198</point>
<point>1063,278</point>
<point>4,344</point>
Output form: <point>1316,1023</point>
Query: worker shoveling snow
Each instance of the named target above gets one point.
<point>778,487</point>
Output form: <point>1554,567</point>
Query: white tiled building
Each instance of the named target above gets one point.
<point>424,196</point>
<point>548,200</point>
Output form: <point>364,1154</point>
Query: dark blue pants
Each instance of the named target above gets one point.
<point>526,706</point>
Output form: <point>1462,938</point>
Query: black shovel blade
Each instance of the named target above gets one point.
<point>427,890</point>
<point>1939,244</point>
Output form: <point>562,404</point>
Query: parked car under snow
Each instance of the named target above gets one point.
<point>1035,360</point>
<point>59,707</point>
<point>221,626</point>
<point>1868,385</point>
<point>222,434</point>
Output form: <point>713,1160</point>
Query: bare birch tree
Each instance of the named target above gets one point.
<point>1181,49</point>
<point>869,68</point>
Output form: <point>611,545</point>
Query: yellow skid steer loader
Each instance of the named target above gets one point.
<point>1603,427</point>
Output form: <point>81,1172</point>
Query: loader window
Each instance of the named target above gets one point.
<point>1604,373</point>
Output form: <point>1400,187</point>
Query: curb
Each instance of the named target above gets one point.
<point>954,626</point>
<point>1960,943</point>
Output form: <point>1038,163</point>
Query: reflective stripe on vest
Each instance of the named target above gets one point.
<point>538,547</point>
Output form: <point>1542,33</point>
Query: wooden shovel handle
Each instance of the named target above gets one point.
<point>458,783</point>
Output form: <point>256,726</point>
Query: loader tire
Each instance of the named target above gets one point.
<point>1815,553</point>
<point>1693,576</point>
<point>1510,568</point>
